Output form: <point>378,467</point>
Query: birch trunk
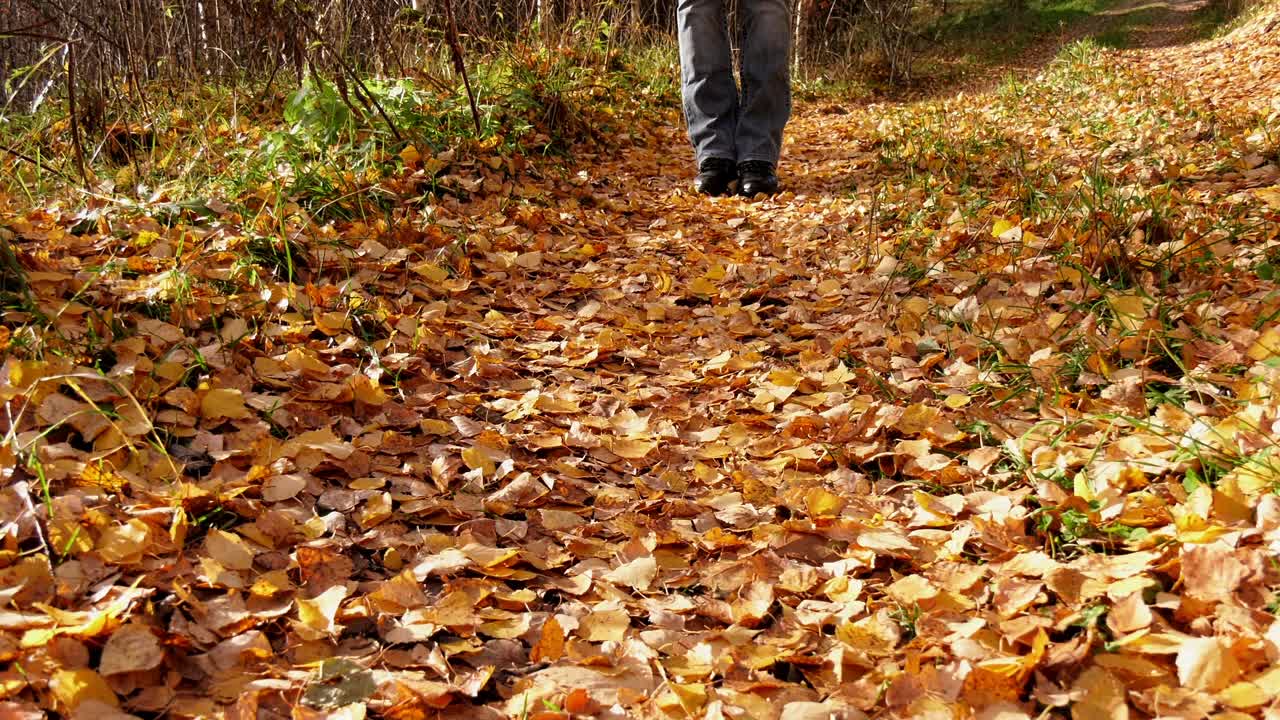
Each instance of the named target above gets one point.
<point>797,38</point>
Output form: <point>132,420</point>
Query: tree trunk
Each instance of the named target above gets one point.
<point>797,40</point>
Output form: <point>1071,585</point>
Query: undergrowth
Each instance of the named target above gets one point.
<point>336,146</point>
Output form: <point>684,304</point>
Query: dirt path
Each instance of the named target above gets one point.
<point>1132,24</point>
<point>789,353</point>
<point>1155,24</point>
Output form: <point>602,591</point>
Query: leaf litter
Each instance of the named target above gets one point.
<point>976,420</point>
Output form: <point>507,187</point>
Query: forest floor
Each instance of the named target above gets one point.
<point>976,419</point>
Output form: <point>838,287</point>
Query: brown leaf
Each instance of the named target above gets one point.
<point>550,646</point>
<point>1129,614</point>
<point>1100,695</point>
<point>1211,572</point>
<point>131,648</point>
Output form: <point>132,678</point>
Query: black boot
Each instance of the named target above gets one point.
<point>715,175</point>
<point>758,176</point>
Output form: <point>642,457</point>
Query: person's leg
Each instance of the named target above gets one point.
<point>706,69</point>
<point>766,80</point>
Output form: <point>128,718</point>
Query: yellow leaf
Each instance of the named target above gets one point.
<point>223,403</point>
<point>375,511</point>
<point>367,391</point>
<point>332,323</point>
<point>993,682</point>
<point>1269,681</point>
<point>478,459</point>
<point>1135,666</point>
<point>228,549</point>
<point>529,260</point>
<point>822,503</point>
<point>1270,196</point>
<point>316,615</point>
<point>1102,695</point>
<point>785,377</point>
<point>431,272</point>
<point>1205,663</point>
<point>400,593</point>
<point>1157,644</point>
<point>506,628</point>
<point>1130,311</point>
<point>489,557</point>
<point>871,635</point>
<point>911,589</point>
<point>916,419</point>
<point>637,574</point>
<point>323,440</point>
<point>662,283</point>
<point>1082,488</point>
<point>410,156</point>
<point>79,624</point>
<point>145,239</point>
<point>632,449</point>
<point>435,427</point>
<point>457,609</point>
<point>703,286</point>
<point>306,361</point>
<point>124,543</point>
<point>690,696</point>
<point>1243,695</point>
<point>1006,230</point>
<point>1267,345</point>
<point>11,684</point>
<point>73,687</point>
<point>603,625</point>
<point>271,583</point>
<point>434,165</point>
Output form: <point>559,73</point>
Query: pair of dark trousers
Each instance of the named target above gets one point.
<point>724,123</point>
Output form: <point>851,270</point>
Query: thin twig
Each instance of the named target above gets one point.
<point>23,490</point>
<point>76,141</point>
<point>459,62</point>
<point>39,165</point>
<point>22,33</point>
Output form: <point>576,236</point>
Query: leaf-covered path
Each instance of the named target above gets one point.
<point>976,420</point>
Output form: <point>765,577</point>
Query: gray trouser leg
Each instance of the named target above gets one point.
<point>706,70</point>
<point>720,124</point>
<point>766,79</point>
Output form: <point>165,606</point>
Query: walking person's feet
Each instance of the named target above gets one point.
<point>715,175</point>
<point>756,177</point>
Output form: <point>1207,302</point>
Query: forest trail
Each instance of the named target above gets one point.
<point>975,419</point>
<point>1162,24</point>
<point>1129,24</point>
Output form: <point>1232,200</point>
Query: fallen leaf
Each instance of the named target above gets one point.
<point>131,648</point>
<point>72,688</point>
